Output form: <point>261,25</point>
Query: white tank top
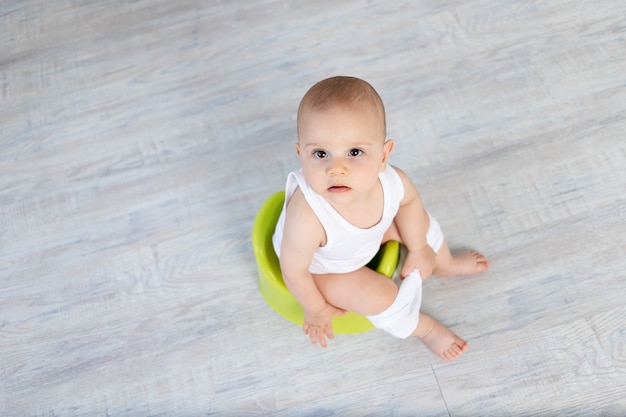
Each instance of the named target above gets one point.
<point>348,247</point>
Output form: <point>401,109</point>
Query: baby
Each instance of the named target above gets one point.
<point>342,205</point>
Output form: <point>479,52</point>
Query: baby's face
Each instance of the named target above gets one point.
<point>341,152</point>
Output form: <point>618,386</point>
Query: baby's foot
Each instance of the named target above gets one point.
<point>441,340</point>
<point>464,263</point>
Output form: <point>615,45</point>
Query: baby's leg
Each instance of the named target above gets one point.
<point>439,339</point>
<point>363,291</point>
<point>446,264</point>
<point>368,293</point>
<point>463,263</point>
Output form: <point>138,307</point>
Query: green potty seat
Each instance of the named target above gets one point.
<point>271,281</point>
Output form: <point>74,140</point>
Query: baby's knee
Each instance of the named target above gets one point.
<point>401,318</point>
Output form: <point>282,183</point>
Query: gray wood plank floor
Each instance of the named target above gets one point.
<point>139,138</point>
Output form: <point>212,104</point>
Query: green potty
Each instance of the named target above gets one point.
<point>271,281</point>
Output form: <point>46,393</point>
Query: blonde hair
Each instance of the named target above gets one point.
<point>349,92</point>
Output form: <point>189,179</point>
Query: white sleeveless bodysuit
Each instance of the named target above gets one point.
<point>348,247</point>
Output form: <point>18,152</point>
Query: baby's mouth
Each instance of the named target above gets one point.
<point>338,188</point>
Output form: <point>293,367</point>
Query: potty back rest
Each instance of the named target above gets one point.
<point>262,232</point>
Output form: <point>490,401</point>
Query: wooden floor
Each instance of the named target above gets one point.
<point>139,138</point>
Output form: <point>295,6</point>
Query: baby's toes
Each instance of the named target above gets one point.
<point>452,353</point>
<point>481,260</point>
<point>478,256</point>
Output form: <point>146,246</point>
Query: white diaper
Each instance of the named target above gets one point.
<point>434,236</point>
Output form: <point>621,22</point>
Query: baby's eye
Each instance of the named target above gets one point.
<point>355,152</point>
<point>320,154</point>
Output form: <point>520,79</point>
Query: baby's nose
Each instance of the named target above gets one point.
<point>338,168</point>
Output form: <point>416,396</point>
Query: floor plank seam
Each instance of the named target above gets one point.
<point>443,397</point>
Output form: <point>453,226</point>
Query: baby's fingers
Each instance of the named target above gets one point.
<point>321,338</point>
<point>328,330</point>
<point>316,334</point>
<point>406,270</point>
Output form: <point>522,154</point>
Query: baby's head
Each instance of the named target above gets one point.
<point>341,138</point>
<point>348,93</point>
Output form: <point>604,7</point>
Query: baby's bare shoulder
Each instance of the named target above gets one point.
<point>410,190</point>
<point>301,223</point>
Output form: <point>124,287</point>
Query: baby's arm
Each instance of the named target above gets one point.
<point>303,234</point>
<point>411,224</point>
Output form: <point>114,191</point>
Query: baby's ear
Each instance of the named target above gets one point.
<point>297,145</point>
<point>387,148</point>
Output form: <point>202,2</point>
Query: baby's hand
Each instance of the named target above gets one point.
<point>423,260</point>
<point>319,325</point>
